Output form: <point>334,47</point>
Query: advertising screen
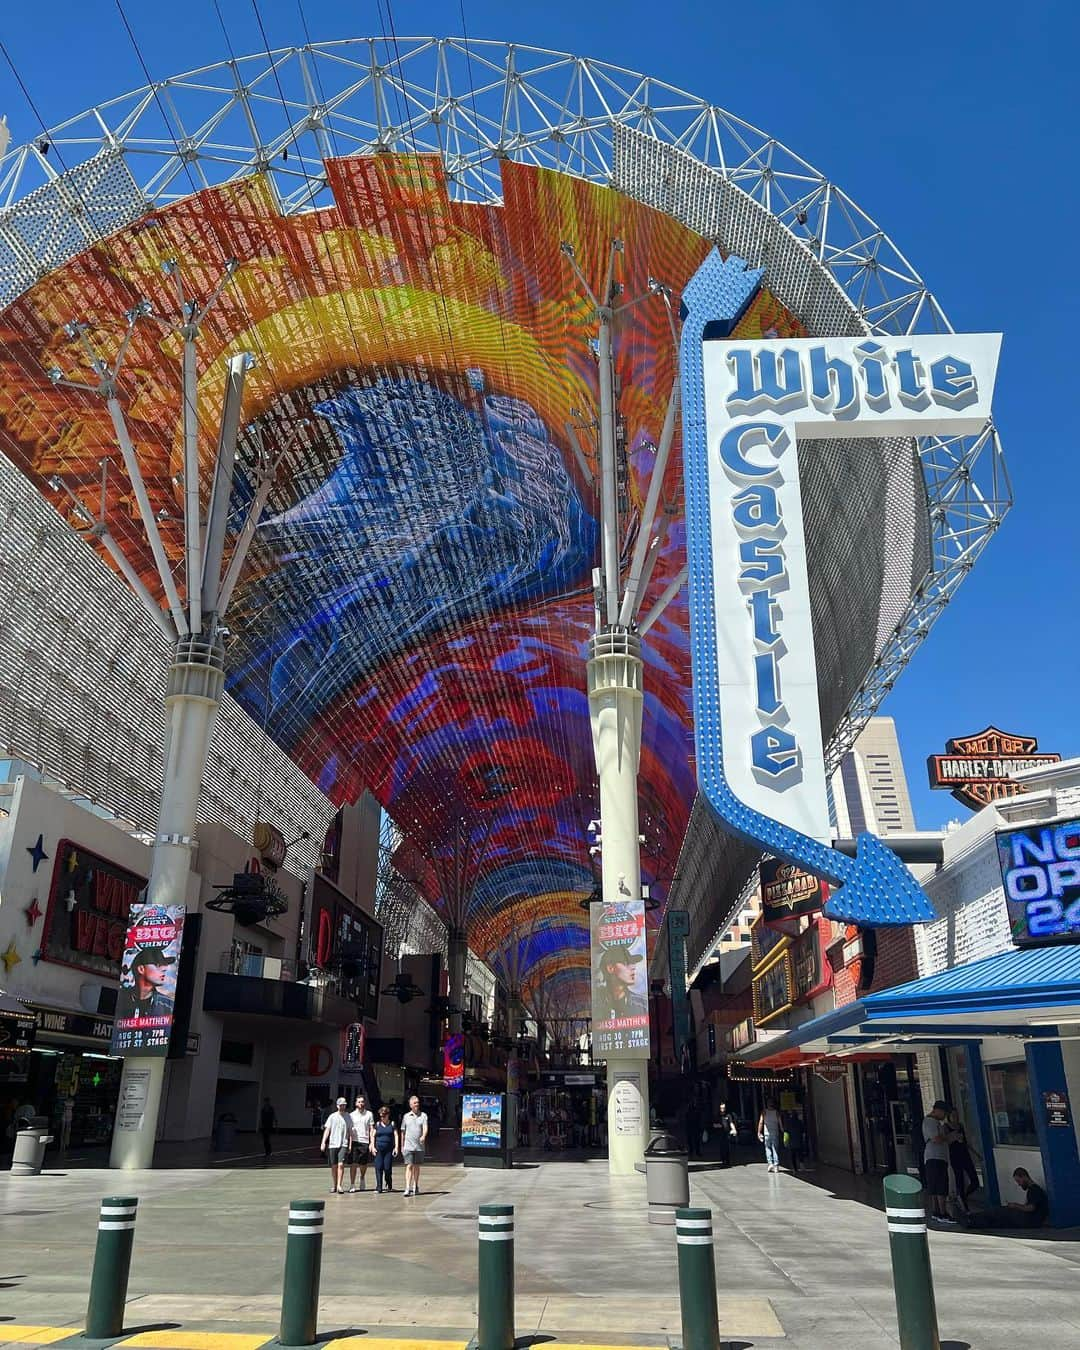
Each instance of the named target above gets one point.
<point>481,1120</point>
<point>1040,870</point>
<point>454,1060</point>
<point>620,981</point>
<point>147,1003</point>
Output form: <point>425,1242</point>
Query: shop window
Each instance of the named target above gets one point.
<point>1010,1105</point>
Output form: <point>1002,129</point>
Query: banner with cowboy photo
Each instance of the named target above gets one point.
<point>147,1002</point>
<point>620,981</point>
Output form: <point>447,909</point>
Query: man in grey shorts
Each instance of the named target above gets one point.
<point>414,1127</point>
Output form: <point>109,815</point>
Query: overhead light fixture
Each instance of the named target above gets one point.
<point>1069,1020</point>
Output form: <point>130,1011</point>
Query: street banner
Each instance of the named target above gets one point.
<point>481,1120</point>
<point>147,1003</point>
<point>620,981</point>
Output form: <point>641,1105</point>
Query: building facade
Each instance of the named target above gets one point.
<point>257,1016</point>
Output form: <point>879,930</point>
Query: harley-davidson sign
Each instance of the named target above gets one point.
<point>978,769</point>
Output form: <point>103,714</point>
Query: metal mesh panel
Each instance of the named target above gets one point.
<point>82,677</point>
<point>706,201</point>
<point>61,218</point>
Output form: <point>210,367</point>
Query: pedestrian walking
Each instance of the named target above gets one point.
<point>414,1132</point>
<point>267,1126</point>
<point>770,1132</point>
<point>935,1133</point>
<point>337,1136</point>
<point>360,1153</point>
<point>964,1172</point>
<point>725,1132</point>
<point>384,1144</point>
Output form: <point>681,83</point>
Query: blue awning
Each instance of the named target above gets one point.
<point>1017,993</point>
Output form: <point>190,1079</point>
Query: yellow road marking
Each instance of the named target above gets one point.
<point>195,1340</point>
<point>179,1339</point>
<point>35,1335</point>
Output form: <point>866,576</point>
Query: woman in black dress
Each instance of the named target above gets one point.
<point>960,1159</point>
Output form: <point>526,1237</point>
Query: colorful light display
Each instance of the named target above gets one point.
<point>416,607</point>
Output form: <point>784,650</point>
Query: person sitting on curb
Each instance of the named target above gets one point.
<point>1031,1212</point>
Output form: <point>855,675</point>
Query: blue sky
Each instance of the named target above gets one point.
<point>952,125</point>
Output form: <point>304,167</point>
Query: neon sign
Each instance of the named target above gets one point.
<point>746,405</point>
<point>1040,870</point>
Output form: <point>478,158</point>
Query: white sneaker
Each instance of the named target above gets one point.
<point>406,1192</point>
<point>352,1190</point>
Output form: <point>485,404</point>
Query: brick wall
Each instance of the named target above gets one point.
<point>896,962</point>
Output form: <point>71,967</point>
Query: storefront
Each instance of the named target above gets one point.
<point>71,1079</point>
<point>568,1110</point>
<point>1004,1032</point>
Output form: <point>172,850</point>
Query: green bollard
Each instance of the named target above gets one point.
<point>913,1280</point>
<point>495,1319</point>
<point>112,1265</point>
<point>697,1279</point>
<point>303,1267</point>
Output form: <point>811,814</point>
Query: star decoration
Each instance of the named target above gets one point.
<point>33,912</point>
<point>10,957</point>
<point>38,852</point>
<point>36,956</point>
<point>72,861</point>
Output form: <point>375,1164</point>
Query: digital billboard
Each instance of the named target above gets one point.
<point>146,1007</point>
<point>620,981</point>
<point>1040,870</point>
<point>481,1120</point>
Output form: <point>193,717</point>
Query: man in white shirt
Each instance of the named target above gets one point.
<point>935,1133</point>
<point>337,1135</point>
<point>414,1128</point>
<point>363,1124</point>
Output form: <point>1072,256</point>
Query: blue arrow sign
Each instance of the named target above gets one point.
<point>876,888</point>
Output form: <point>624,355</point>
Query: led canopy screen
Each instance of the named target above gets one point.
<point>414,614</point>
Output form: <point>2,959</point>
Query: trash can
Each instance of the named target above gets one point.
<point>225,1133</point>
<point>667,1180</point>
<point>29,1154</point>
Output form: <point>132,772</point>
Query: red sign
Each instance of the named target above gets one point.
<point>977,768</point>
<point>89,903</point>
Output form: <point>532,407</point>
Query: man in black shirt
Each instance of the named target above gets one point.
<point>1030,1212</point>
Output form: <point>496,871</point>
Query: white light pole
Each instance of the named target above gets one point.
<point>192,622</point>
<point>615,674</point>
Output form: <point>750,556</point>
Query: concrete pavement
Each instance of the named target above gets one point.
<point>801,1263</point>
